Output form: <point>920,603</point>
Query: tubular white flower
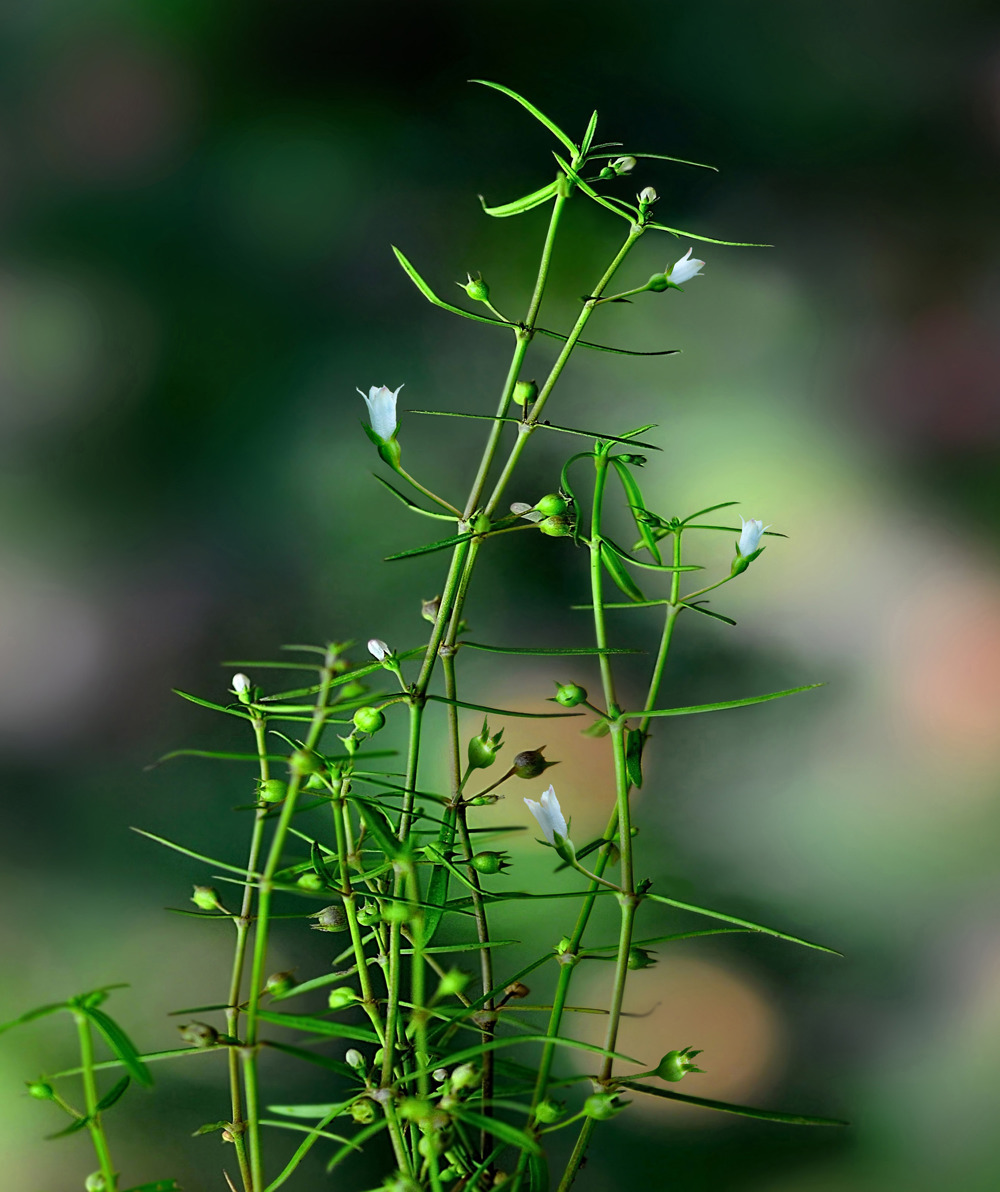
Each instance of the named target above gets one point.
<point>647,195</point>
<point>549,815</point>
<point>381,402</point>
<point>750,536</point>
<point>684,269</point>
<point>241,684</point>
<point>378,649</point>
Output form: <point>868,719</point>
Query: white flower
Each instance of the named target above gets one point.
<point>684,269</point>
<point>647,195</point>
<point>623,165</point>
<point>549,815</point>
<point>354,1057</point>
<point>378,649</point>
<point>381,402</point>
<point>750,536</point>
<point>241,684</point>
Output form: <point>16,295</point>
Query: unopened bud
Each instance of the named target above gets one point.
<point>556,527</point>
<point>41,1090</point>
<point>551,505</point>
<point>525,392</point>
<point>623,165</point>
<point>310,880</point>
<point>243,687</point>
<point>465,1076</point>
<point>569,695</point>
<point>306,761</point>
<point>531,762</point>
<point>279,984</point>
<point>675,1065</point>
<point>272,790</point>
<point>440,1075</point>
<point>600,1106</point>
<point>199,1034</point>
<point>206,899</point>
<point>354,1059</point>
<point>647,195</point>
<point>516,989</point>
<point>330,918</point>
<point>369,914</point>
<point>341,997</point>
<point>363,1112</point>
<point>369,720</point>
<point>640,958</point>
<point>378,649</point>
<point>95,1182</point>
<point>548,1112</point>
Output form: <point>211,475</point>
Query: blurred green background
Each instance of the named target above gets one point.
<point>197,202</point>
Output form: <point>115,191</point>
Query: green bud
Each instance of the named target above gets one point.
<point>306,761</point>
<point>640,958</point>
<point>341,997</point>
<point>552,504</point>
<point>316,782</point>
<point>41,1090</point>
<point>658,283</point>
<point>556,527</point>
<point>489,862</point>
<point>369,914</point>
<point>363,1112</point>
<point>466,1076</point>
<point>525,392</point>
<point>330,918</point>
<point>483,800</point>
<point>476,288</point>
<point>199,1034</point>
<point>206,899</point>
<point>310,881</point>
<point>570,694</point>
<point>675,1065</point>
<point>452,983</point>
<point>564,945</point>
<point>369,720</point>
<point>484,748</point>
<point>95,1182</point>
<point>272,790</point>
<point>279,984</point>
<point>530,763</point>
<point>600,1106</point>
<point>548,1112</point>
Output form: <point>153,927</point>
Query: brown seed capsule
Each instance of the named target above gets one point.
<point>530,763</point>
<point>517,989</point>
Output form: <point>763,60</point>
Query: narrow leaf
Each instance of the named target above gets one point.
<point>157,1186</point>
<point>766,1115</point>
<point>72,1128</point>
<point>442,544</point>
<point>724,704</point>
<point>637,505</point>
<point>114,1094</point>
<point>707,239</point>
<point>408,503</point>
<point>441,699</point>
<point>312,1057</point>
<point>634,742</point>
<point>31,1015</point>
<point>204,703</point>
<point>746,923</point>
<point>616,569</point>
<point>555,651</point>
<point>525,203</point>
<point>499,1129</point>
<point>434,300</point>
<point>681,161</point>
<point>530,107</point>
<point>319,1026</point>
<point>583,343</point>
<point>122,1046</point>
<point>707,612</point>
<point>190,853</point>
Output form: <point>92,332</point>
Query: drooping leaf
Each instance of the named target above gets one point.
<point>766,1115</point>
<point>634,742</point>
<point>637,505</point>
<point>708,612</point>
<point>73,1128</point>
<point>583,343</point>
<point>434,300</point>
<point>121,1045</point>
<point>31,1015</point>
<point>498,1128</point>
<point>525,203</point>
<point>204,703</point>
<point>616,569</point>
<point>411,504</point>
<point>530,107</point>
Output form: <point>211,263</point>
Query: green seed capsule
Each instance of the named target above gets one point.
<point>600,1106</point>
<point>570,694</point>
<point>41,1090</point>
<point>205,898</point>
<point>369,914</point>
<point>96,1183</point>
<point>273,790</point>
<point>552,505</point>
<point>476,288</point>
<point>525,392</point>
<point>640,958</point>
<point>279,984</point>
<point>556,527</point>
<point>306,761</point>
<point>341,998</point>
<point>489,862</point>
<point>199,1034</point>
<point>369,720</point>
<point>548,1112</point>
<point>530,763</point>
<point>330,918</point>
<point>310,881</point>
<point>363,1112</point>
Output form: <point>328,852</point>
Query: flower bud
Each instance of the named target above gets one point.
<point>306,761</point>
<point>601,1106</point>
<point>369,720</point>
<point>279,984</point>
<point>272,790</point>
<point>243,687</point>
<point>440,1075</point>
<point>476,288</point>
<point>206,899</point>
<point>363,1112</point>
<point>199,1034</point>
<point>483,800</point>
<point>675,1065</point>
<point>95,1182</point>
<point>465,1076</point>
<point>452,983</point>
<point>551,505</point>
<point>378,649</point>
<point>647,196</point>
<point>483,749</point>
<point>310,880</point>
<point>548,1112</point>
<point>369,914</point>
<point>341,997</point>
<point>41,1090</point>
<point>529,763</point>
<point>525,392</point>
<point>569,695</point>
<point>489,862</point>
<point>354,1059</point>
<point>330,918</point>
<point>623,165</point>
<point>640,958</point>
<point>556,527</point>
<point>429,609</point>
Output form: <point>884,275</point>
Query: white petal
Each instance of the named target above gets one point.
<point>241,684</point>
<point>554,812</point>
<point>378,649</point>
<point>540,814</point>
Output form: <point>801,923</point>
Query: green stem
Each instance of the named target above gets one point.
<point>94,1125</point>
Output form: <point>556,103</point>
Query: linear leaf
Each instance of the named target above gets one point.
<point>745,923</point>
<point>589,190</point>
<point>204,703</point>
<point>766,1115</point>
<point>458,703</point>
<point>588,136</point>
<point>636,504</point>
<point>499,1129</point>
<point>156,1186</point>
<point>312,1057</point>
<point>434,300</point>
<point>672,938</point>
<point>708,612</point>
<point>708,509</point>
<point>707,239</point>
<point>735,530</point>
<point>319,1026</point>
<point>545,425</point>
<point>530,107</point>
<point>616,569</point>
<point>724,704</point>
<point>353,1145</point>
<point>681,161</point>
<point>555,651</point>
<point>525,203</point>
<point>442,544</point>
<point>121,1045</point>
<point>114,1094</point>
<point>583,343</point>
<point>408,503</point>
<point>190,852</point>
<point>666,567</point>
<point>31,1015</point>
<point>72,1128</point>
<point>215,755</point>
